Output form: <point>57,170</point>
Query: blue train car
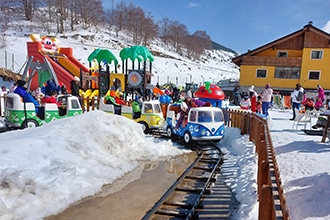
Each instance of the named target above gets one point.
<point>202,124</point>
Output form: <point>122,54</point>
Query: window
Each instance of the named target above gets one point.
<point>287,72</point>
<point>204,116</point>
<point>261,73</point>
<point>75,104</point>
<point>148,108</point>
<point>218,117</point>
<point>9,103</point>
<point>314,75</point>
<point>192,117</point>
<point>316,54</point>
<point>157,108</point>
<point>282,54</point>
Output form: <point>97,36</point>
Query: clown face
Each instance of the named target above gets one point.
<point>49,44</point>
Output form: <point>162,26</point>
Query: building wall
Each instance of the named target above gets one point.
<point>273,52</point>
<point>248,72</point>
<point>321,65</point>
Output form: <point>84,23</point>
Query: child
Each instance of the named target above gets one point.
<point>253,99</point>
<point>259,104</point>
<point>308,103</point>
<point>318,103</point>
<point>245,102</point>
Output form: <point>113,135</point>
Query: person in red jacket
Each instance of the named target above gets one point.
<point>119,98</point>
<point>308,103</point>
<point>253,100</point>
<point>52,99</point>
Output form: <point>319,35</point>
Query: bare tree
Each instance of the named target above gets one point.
<point>90,11</point>
<point>164,29</point>
<point>203,39</point>
<point>149,30</point>
<point>29,7</point>
<point>178,32</point>
<point>5,16</point>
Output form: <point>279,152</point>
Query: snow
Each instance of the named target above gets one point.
<point>72,158</point>
<point>45,169</point>
<point>69,159</point>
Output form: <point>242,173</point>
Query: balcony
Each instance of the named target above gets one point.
<point>271,61</point>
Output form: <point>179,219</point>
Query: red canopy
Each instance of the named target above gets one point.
<point>210,91</point>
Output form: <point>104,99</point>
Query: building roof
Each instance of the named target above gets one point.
<point>300,33</point>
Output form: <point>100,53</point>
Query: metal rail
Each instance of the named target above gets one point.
<point>191,195</point>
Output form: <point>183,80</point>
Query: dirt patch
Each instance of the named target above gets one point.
<point>131,196</point>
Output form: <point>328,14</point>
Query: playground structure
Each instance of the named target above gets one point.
<point>210,93</point>
<point>49,61</point>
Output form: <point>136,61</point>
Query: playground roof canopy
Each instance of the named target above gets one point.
<point>138,52</point>
<point>102,54</point>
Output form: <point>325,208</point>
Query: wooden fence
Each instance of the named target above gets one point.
<point>272,201</point>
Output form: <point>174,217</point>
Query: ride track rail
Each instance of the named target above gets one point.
<point>199,193</point>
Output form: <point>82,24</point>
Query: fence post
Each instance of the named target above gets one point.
<point>266,207</point>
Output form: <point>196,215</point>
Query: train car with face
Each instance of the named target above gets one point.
<point>149,113</point>
<point>201,124</point>
<point>24,115</point>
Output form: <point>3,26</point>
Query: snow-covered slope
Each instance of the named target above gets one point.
<point>213,65</point>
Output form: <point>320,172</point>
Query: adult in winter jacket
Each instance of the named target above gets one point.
<point>320,93</point>
<point>75,86</point>
<point>266,98</point>
<point>296,103</point>
<point>237,95</point>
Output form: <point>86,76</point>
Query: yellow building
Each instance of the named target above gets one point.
<point>300,57</point>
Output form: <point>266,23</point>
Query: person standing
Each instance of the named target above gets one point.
<point>266,98</point>
<point>237,95</point>
<point>253,98</point>
<point>75,86</point>
<point>296,98</point>
<point>320,93</point>
<point>245,102</point>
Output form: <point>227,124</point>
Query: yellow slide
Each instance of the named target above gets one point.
<point>89,94</point>
<point>68,65</point>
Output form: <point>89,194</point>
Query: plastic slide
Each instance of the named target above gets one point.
<point>63,76</point>
<point>90,95</point>
<point>87,93</point>
<point>68,52</point>
<point>68,65</point>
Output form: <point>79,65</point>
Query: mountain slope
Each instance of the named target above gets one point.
<point>168,66</point>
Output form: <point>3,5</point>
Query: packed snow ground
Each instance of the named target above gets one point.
<point>60,161</point>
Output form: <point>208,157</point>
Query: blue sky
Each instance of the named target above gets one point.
<point>239,24</point>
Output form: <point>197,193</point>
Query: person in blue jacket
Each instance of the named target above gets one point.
<point>27,97</point>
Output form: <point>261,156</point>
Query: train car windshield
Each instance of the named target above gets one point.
<point>218,117</point>
<point>157,108</point>
<point>205,116</point>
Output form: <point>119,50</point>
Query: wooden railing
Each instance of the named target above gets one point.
<point>272,201</point>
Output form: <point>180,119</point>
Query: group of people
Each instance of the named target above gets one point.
<point>46,94</point>
<point>261,103</point>
<point>299,99</point>
<point>252,101</point>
